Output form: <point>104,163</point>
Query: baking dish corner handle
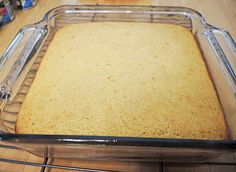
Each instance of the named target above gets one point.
<point>225,48</point>
<point>228,38</point>
<point>25,54</point>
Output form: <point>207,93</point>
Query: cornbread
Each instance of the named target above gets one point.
<point>123,79</point>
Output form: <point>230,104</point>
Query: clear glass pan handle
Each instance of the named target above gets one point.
<point>225,48</point>
<point>25,54</point>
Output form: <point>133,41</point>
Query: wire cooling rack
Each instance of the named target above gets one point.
<point>47,163</point>
<point>44,164</point>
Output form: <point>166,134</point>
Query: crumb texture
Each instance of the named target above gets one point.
<point>123,79</point>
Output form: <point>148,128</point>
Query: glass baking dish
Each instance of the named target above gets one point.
<point>20,62</point>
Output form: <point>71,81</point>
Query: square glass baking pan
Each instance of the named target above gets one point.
<point>21,60</point>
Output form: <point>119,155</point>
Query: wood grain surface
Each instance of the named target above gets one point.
<point>221,13</point>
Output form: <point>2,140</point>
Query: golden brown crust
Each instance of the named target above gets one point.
<point>123,79</point>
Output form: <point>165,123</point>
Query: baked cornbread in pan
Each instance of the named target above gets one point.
<point>123,79</point>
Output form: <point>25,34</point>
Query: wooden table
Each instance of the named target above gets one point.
<point>220,13</point>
